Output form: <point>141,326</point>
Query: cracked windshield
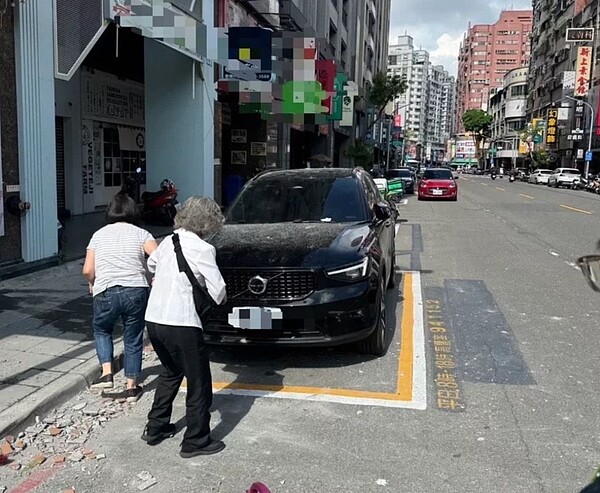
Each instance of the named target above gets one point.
<point>296,246</point>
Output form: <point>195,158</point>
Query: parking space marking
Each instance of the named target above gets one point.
<point>411,384</point>
<point>526,196</point>
<point>575,209</point>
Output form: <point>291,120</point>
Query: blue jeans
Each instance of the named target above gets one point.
<point>130,305</point>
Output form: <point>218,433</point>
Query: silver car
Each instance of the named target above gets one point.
<point>563,177</point>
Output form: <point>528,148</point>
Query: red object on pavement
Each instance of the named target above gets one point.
<point>3,459</point>
<point>258,488</point>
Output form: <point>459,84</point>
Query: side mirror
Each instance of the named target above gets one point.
<point>382,211</point>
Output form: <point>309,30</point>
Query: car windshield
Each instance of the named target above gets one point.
<point>399,173</point>
<point>570,171</point>
<point>437,174</point>
<point>545,172</point>
<point>293,198</point>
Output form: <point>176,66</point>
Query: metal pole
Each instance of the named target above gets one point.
<point>590,129</point>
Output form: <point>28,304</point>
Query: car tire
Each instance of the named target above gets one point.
<point>376,343</point>
<point>556,184</point>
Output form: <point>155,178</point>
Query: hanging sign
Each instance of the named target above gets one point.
<point>552,128</point>
<point>582,84</point>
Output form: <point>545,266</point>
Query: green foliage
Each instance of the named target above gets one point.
<point>477,121</point>
<point>385,89</point>
<point>541,159</point>
<point>362,154</point>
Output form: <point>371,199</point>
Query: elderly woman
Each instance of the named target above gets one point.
<point>175,329</point>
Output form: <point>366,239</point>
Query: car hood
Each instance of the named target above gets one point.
<point>305,245</point>
<point>437,183</point>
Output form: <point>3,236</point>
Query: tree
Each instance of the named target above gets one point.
<point>384,90</point>
<point>362,154</point>
<point>478,123</point>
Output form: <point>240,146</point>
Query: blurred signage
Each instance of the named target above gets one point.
<point>569,80</point>
<point>552,128</point>
<point>575,34</point>
<point>397,120</point>
<point>523,148</point>
<point>348,104</point>
<point>583,69</point>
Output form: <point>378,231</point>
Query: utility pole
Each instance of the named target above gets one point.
<point>588,154</point>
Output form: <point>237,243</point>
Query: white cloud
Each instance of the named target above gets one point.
<point>446,53</point>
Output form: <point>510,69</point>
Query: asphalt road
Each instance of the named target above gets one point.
<point>491,382</point>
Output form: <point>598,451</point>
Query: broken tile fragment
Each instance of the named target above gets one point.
<point>80,406</point>
<point>5,448</point>
<point>76,456</point>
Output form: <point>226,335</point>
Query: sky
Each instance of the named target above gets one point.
<point>438,26</point>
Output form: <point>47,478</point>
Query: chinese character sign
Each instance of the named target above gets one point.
<point>552,128</point>
<point>583,70</point>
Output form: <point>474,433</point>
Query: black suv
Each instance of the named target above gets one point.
<point>307,256</point>
<point>406,174</point>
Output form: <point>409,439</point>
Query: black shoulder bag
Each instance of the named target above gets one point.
<point>202,300</point>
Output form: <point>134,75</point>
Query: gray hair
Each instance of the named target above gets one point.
<point>200,215</point>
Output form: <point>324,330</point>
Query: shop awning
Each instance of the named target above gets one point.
<point>175,23</point>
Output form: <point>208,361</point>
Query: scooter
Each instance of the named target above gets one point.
<point>493,175</point>
<point>511,178</point>
<point>156,207</point>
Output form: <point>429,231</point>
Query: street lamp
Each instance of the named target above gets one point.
<point>589,150</point>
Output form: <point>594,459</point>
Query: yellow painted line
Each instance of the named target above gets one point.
<point>405,395</point>
<point>526,196</point>
<point>499,188</point>
<point>405,359</point>
<point>575,209</point>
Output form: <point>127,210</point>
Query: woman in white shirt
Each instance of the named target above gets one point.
<point>115,266</point>
<point>175,329</point>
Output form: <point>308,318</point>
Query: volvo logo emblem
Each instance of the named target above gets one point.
<point>257,285</point>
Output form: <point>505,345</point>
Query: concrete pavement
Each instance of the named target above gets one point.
<point>47,350</point>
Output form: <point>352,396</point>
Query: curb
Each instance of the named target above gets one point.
<point>43,401</point>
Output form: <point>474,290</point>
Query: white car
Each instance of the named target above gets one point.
<point>540,176</point>
<point>563,177</point>
<point>382,185</point>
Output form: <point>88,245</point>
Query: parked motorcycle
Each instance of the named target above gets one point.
<point>155,207</point>
<point>493,175</point>
<point>511,178</point>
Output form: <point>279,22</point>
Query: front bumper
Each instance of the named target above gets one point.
<point>446,194</point>
<point>328,317</point>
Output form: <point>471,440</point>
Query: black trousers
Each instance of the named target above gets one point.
<point>183,353</point>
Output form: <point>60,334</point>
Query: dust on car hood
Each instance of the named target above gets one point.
<point>305,245</point>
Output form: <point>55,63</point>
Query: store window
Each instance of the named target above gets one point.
<point>112,157</point>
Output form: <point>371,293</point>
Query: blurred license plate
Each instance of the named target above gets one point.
<point>437,192</point>
<point>255,318</point>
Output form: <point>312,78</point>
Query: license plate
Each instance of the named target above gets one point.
<point>437,192</point>
<point>255,318</point>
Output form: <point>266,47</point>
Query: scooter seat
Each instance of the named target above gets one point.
<point>151,195</point>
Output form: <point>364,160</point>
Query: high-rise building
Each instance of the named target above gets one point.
<point>427,106</point>
<point>487,53</point>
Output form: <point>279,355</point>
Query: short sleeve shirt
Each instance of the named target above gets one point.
<point>120,259</point>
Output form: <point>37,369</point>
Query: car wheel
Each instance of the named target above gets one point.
<point>376,343</point>
<point>556,184</point>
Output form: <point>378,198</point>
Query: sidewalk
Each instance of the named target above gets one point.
<point>47,349</point>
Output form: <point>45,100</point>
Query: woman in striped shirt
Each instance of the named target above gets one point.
<point>115,266</point>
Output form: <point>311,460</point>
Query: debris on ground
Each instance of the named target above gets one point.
<point>147,480</point>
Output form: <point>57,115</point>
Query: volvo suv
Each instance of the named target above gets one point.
<point>307,256</point>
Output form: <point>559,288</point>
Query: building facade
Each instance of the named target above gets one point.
<point>427,106</point>
<point>487,53</point>
<point>90,108</point>
<point>552,77</point>
<point>508,105</point>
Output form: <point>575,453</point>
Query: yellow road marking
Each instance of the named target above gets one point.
<point>404,389</point>
<point>405,359</point>
<point>526,196</point>
<point>575,209</point>
<point>503,189</point>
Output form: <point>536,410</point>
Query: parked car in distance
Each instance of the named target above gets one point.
<point>437,183</point>
<point>563,177</point>
<point>307,256</point>
<point>540,176</point>
<point>406,174</point>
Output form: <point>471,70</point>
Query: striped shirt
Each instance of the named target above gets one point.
<point>119,257</point>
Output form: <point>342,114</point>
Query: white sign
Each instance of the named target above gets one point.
<point>112,100</point>
<point>569,80</point>
<point>563,114</point>
<point>348,104</point>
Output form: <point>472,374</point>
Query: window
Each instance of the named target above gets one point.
<point>392,60</point>
<point>111,157</point>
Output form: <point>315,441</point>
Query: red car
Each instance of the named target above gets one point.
<point>438,183</point>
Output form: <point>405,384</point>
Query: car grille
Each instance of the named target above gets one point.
<point>284,286</point>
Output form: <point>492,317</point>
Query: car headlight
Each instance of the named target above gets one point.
<point>352,273</point>
<point>452,185</point>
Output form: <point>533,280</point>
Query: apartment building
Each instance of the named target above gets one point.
<point>427,106</point>
<point>487,53</point>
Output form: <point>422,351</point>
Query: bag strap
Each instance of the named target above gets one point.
<point>184,266</point>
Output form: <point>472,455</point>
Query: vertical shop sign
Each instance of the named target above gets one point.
<point>87,157</point>
<point>348,104</point>
<point>552,128</point>
<point>338,96</point>
<point>326,74</point>
<point>583,69</point>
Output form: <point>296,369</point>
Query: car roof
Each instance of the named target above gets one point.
<point>307,172</point>
<point>439,168</point>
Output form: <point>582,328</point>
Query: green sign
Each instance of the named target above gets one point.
<point>537,139</point>
<point>337,101</point>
